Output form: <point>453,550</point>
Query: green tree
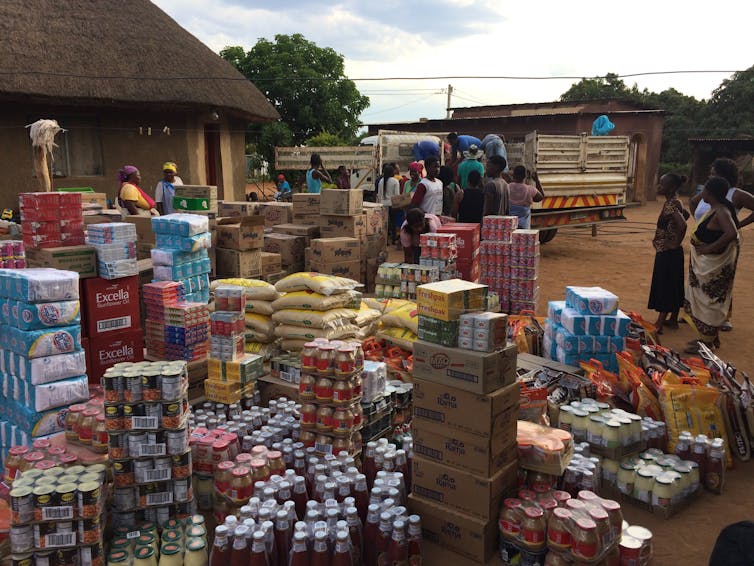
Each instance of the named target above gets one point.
<point>730,110</point>
<point>306,84</point>
<point>325,139</point>
<point>608,87</point>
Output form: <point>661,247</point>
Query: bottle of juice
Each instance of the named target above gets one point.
<point>414,540</point>
<point>220,549</point>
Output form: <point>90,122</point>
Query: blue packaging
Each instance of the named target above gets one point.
<point>616,325</point>
<point>591,300</point>
<point>180,224</point>
<point>50,395</point>
<point>184,243</point>
<point>43,370</point>
<point>36,424</point>
<point>39,285</point>
<point>34,316</point>
<point>567,358</point>
<point>566,341</point>
<point>41,343</point>
<point>554,310</point>
<point>573,321</point>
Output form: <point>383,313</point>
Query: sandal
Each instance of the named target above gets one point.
<point>726,327</point>
<point>693,348</point>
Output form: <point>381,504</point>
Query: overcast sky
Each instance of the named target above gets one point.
<point>541,38</point>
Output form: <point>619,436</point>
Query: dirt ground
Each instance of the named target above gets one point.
<point>620,259</point>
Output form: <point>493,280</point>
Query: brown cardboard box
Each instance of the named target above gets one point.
<point>309,231</point>
<point>340,202</point>
<point>468,493</point>
<point>306,219</point>
<point>402,200</point>
<point>228,208</point>
<point>144,250</point>
<point>81,259</point>
<point>143,225</point>
<point>348,269</point>
<point>487,416</point>
<point>376,217</point>
<point>234,263</point>
<point>240,233</point>
<point>478,372</point>
<point>290,248</point>
<point>271,263</point>
<point>99,199</point>
<point>276,213</point>
<point>464,450</point>
<point>461,533</point>
<point>195,199</point>
<point>333,250</point>
<point>306,203</point>
<point>375,244</point>
<point>342,226</point>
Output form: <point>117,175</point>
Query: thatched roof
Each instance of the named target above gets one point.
<point>115,52</point>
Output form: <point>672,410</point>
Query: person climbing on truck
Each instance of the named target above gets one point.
<point>522,196</point>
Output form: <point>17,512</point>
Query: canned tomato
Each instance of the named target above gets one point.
<point>64,499</point>
<point>114,417</point>
<point>124,497</point>
<point>50,535</point>
<point>22,559</point>
<point>117,444</point>
<point>135,442</point>
<point>89,530</point>
<point>21,538</point>
<point>170,384</point>
<point>150,384</point>
<point>22,505</point>
<point>46,558</point>
<point>66,557</point>
<point>171,414</point>
<point>114,388</point>
<point>123,473</point>
<point>93,555</point>
<point>132,391</point>
<point>141,467</point>
<point>181,466</point>
<point>43,497</point>
<point>177,441</point>
<point>89,499</point>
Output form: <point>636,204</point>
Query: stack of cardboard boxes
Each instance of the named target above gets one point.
<point>196,199</point>
<point>305,209</point>
<point>465,406</point>
<point>239,246</point>
<point>467,241</point>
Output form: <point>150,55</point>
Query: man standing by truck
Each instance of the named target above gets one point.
<point>496,193</point>
<point>459,144</point>
<point>492,144</point>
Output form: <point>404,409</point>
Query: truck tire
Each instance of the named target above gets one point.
<point>547,235</point>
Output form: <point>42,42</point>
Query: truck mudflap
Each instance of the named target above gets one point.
<point>545,219</point>
<point>578,201</point>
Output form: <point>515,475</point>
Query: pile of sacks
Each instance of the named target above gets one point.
<point>399,321</point>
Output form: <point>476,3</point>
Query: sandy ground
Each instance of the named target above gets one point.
<point>620,259</point>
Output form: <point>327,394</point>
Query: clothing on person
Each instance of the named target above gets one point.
<point>464,142</point>
<point>385,195</point>
<point>409,239</point>
<point>467,166</point>
<point>410,187</point>
<point>708,292</point>
<point>313,185</point>
<point>449,193</point>
<point>666,233</point>
<point>666,292</point>
<point>130,192</point>
<point>428,196</point>
<point>164,193</point>
<point>424,149</point>
<point>492,144</point>
<point>500,204</point>
<point>521,197</point>
<point>471,207</point>
<point>343,182</point>
<point>703,207</point>
<point>284,187</point>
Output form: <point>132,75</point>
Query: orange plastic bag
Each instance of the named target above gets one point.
<point>527,331</point>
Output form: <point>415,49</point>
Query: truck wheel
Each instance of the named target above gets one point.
<point>547,235</point>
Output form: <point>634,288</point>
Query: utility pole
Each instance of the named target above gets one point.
<point>450,92</point>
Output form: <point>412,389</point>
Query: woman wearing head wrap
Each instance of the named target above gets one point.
<point>165,189</point>
<point>131,198</point>
<point>415,170</point>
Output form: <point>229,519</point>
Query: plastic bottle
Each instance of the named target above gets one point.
<point>282,537</point>
<point>361,495</point>
<point>300,496</point>
<point>342,554</point>
<point>398,554</point>
<point>258,554</point>
<point>269,541</point>
<point>239,556</point>
<point>415,550</point>
<point>383,539</point>
<point>221,549</point>
<point>714,477</point>
<point>299,555</point>
<point>355,533</point>
<point>369,467</point>
<point>371,532</point>
<point>320,555</point>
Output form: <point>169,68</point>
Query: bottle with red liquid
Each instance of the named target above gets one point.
<point>414,540</point>
<point>371,532</point>
<point>221,550</point>
<point>300,496</point>
<point>282,537</point>
<point>361,495</point>
<point>320,555</point>
<point>398,554</point>
<point>355,533</point>
<point>299,462</point>
<point>258,554</point>
<point>369,467</point>
<point>299,551</point>
<point>699,453</point>
<point>268,528</point>
<point>239,556</point>
<point>284,492</point>
<point>384,539</point>
<point>342,554</point>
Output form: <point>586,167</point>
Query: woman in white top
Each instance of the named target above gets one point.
<point>428,195</point>
<point>387,188</point>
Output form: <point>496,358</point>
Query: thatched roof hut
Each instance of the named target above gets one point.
<point>115,53</point>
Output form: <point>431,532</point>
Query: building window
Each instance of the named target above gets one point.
<point>79,151</point>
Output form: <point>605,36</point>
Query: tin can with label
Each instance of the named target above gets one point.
<point>170,384</point>
<point>182,490</point>
<point>66,557</point>
<point>21,538</point>
<point>141,467</point>
<point>117,445</point>
<point>181,466</point>
<point>132,389</point>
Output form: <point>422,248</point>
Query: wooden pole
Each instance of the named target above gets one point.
<point>40,166</point>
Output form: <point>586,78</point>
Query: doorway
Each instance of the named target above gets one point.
<point>213,162</point>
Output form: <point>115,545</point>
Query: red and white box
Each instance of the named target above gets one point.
<point>111,305</point>
<point>467,238</point>
<point>111,348</point>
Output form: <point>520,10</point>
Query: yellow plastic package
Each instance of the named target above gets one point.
<point>317,282</point>
<point>405,317</point>
<point>255,289</point>
<point>309,300</point>
<point>315,319</point>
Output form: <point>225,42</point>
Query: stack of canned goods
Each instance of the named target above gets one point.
<point>56,514</point>
<point>146,418</point>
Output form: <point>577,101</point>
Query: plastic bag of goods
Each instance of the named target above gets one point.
<point>309,300</point>
<point>317,282</point>
<point>329,319</point>
<point>406,317</point>
<point>289,332</point>
<point>256,290</point>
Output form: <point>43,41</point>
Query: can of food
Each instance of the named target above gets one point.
<point>45,558</point>
<point>98,469</point>
<point>135,440</point>
<point>177,441</point>
<point>57,534</point>
<point>89,499</point>
<point>117,444</point>
<point>170,384</point>
<point>93,555</point>
<point>90,530</point>
<point>124,519</point>
<point>123,473</point>
<point>150,384</point>
<point>22,559</point>
<point>21,538</point>
<point>141,467</point>
<point>114,388</point>
<point>66,557</point>
<point>162,463</point>
<point>43,498</point>
<point>124,497</point>
<point>64,502</point>
<point>22,505</point>
<point>171,415</point>
<point>114,417</point>
<point>181,465</point>
<point>132,388</point>
<point>161,514</point>
<point>153,410</point>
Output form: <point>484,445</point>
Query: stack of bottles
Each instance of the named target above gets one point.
<point>330,392</point>
<point>36,462</point>
<point>146,418</point>
<point>181,244</point>
<point>115,244</point>
<point>51,220</point>
<point>58,509</point>
<point>173,541</point>
<point>495,254</point>
<point>587,325</point>
<point>175,328</point>
<point>85,426</point>
<point>12,254</point>
<point>42,365</point>
<point>399,280</point>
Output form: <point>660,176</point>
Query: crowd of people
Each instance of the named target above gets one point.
<point>705,299</point>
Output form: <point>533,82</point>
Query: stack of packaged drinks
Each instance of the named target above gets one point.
<point>227,345</point>
<point>50,220</point>
<point>173,542</point>
<point>524,266</point>
<point>56,516</point>
<point>181,243</point>
<point>12,254</point>
<point>42,367</point>
<point>146,418</point>
<point>399,280</point>
<point>440,251</point>
<point>115,244</point>
<point>175,329</point>
<point>330,392</point>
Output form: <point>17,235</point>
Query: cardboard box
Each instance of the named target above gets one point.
<point>333,250</point>
<point>466,451</point>
<point>195,198</point>
<point>402,200</point>
<point>341,202</point>
<point>375,218</point>
<point>234,263</point>
<point>467,238</point>
<point>306,204</point>
<point>471,537</point>
<point>447,300</point>
<point>271,263</point>
<point>470,270</point>
<point>240,233</point>
<point>468,493</point>
<point>342,226</point>
<point>375,244</point>
<point>486,416</point>
<point>99,199</point>
<point>81,259</point>
<point>109,349</point>
<point>291,248</point>
<point>144,250</point>
<point>348,269</point>
<point>309,231</point>
<point>228,208</point>
<point>477,372</point>
<point>143,225</point>
<point>111,306</point>
<point>276,213</point>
